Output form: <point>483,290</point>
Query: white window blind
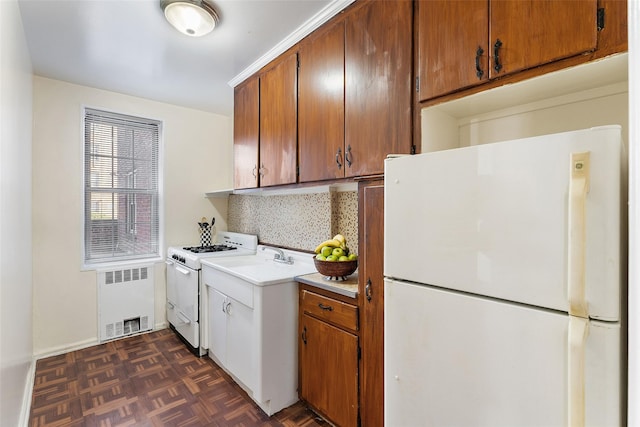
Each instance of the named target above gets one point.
<point>121,188</point>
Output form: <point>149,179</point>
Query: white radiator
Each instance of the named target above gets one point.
<point>125,301</point>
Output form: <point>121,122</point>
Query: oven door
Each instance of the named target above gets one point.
<point>182,301</point>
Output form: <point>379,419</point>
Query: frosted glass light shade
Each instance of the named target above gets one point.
<point>193,18</point>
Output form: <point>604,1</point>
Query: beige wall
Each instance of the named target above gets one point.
<point>608,109</point>
<point>197,152</point>
<point>634,215</point>
<point>15,217</point>
<point>593,94</point>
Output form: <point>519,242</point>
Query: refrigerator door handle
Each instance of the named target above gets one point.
<point>577,337</point>
<point>578,189</point>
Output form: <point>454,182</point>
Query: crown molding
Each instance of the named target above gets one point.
<point>328,12</point>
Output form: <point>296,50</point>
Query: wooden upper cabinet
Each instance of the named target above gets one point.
<point>464,43</point>
<point>452,45</point>
<point>355,88</point>
<point>378,52</point>
<point>278,123</point>
<point>246,133</point>
<point>527,33</point>
<point>321,105</point>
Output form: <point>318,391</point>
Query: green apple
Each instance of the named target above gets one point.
<point>332,258</point>
<point>321,257</point>
<point>353,257</point>
<point>326,251</point>
<point>343,258</point>
<point>337,252</point>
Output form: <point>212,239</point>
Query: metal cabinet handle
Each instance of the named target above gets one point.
<point>253,172</point>
<point>496,56</point>
<point>367,290</point>
<point>347,155</point>
<point>339,158</point>
<point>226,306</point>
<point>304,335</point>
<point>479,71</point>
<point>325,307</point>
<point>261,170</point>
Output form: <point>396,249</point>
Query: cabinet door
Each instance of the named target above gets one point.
<point>535,32</point>
<point>240,351</point>
<point>378,85</point>
<point>321,105</point>
<point>372,306</point>
<point>329,370</point>
<point>278,123</point>
<point>217,324</point>
<point>246,133</point>
<point>452,45</point>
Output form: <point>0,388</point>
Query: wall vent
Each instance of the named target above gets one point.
<point>125,301</point>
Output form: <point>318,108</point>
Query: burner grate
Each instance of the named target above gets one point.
<point>210,248</point>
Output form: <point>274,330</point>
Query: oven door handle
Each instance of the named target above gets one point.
<point>168,262</point>
<point>184,318</point>
<point>171,305</point>
<point>183,270</point>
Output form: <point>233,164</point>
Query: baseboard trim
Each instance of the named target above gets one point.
<point>160,326</point>
<point>25,411</point>
<point>55,351</point>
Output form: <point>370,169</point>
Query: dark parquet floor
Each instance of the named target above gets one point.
<point>146,380</point>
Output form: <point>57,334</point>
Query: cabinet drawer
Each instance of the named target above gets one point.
<point>331,310</point>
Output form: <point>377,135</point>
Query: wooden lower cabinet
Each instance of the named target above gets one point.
<point>371,294</point>
<point>328,355</point>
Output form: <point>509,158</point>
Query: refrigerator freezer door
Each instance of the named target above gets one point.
<point>494,220</point>
<point>452,359</point>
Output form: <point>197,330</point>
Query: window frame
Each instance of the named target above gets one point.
<point>93,264</point>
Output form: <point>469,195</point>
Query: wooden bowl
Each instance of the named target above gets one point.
<point>335,268</point>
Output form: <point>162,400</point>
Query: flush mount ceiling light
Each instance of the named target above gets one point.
<point>191,17</point>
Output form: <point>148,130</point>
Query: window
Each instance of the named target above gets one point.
<point>121,187</point>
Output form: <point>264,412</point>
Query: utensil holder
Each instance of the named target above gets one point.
<point>205,235</point>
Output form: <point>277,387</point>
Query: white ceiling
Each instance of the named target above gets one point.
<point>127,46</point>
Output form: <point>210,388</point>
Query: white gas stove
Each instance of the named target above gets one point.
<point>186,298</point>
<point>228,244</point>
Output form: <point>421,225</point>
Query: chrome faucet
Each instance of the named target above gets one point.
<point>279,255</point>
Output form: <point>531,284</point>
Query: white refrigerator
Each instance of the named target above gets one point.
<point>504,278</point>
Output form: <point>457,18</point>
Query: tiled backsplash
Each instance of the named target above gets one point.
<point>299,221</point>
